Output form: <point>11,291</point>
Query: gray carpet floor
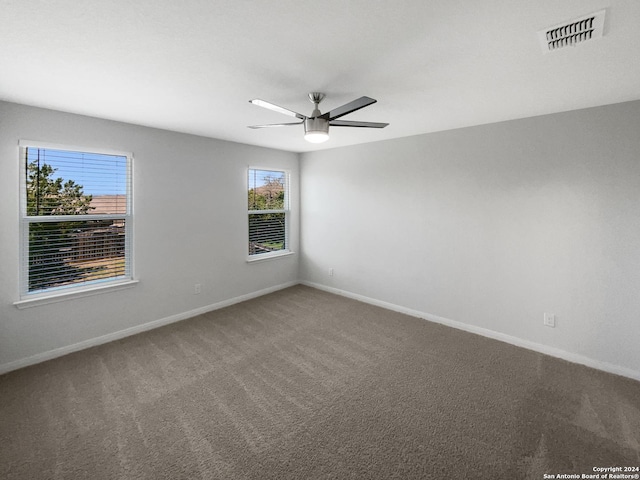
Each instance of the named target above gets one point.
<point>303,384</point>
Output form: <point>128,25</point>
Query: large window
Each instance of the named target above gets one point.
<point>268,212</point>
<point>76,219</point>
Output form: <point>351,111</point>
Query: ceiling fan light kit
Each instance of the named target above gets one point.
<point>316,130</point>
<point>316,126</point>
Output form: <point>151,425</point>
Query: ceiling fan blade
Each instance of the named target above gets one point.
<point>350,107</point>
<point>271,125</point>
<point>276,108</point>
<point>347,123</point>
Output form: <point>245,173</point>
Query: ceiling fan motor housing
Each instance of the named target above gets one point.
<point>316,125</point>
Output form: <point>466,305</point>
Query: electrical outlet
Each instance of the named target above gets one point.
<point>331,272</point>
<point>550,319</point>
<point>197,289</point>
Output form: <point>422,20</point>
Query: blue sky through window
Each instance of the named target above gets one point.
<point>99,174</point>
<point>258,178</point>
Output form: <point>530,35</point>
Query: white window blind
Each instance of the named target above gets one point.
<point>76,219</point>
<point>268,192</point>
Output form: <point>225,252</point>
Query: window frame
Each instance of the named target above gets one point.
<point>93,287</point>
<point>286,211</point>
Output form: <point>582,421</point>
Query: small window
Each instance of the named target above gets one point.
<point>76,219</point>
<point>268,212</point>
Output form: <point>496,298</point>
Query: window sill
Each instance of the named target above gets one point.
<point>269,256</point>
<point>45,299</point>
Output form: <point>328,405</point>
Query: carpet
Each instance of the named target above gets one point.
<point>304,384</point>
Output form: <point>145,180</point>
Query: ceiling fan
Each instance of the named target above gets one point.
<point>316,126</point>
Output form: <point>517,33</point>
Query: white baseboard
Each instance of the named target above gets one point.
<point>59,352</point>
<point>537,347</point>
<point>519,342</point>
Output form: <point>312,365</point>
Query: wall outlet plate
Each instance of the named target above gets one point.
<point>550,319</point>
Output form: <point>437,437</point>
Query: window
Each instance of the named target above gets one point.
<point>268,212</point>
<point>76,219</point>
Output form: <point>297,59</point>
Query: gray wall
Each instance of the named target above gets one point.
<point>491,226</point>
<point>484,228</point>
<point>190,227</point>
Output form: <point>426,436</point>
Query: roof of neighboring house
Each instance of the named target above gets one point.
<point>108,204</point>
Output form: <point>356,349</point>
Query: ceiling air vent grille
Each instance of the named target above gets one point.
<point>572,33</point>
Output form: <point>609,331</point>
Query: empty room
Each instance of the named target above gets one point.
<point>312,240</point>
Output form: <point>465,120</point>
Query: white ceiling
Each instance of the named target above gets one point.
<point>192,65</point>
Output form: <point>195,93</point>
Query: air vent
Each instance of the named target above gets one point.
<point>570,34</point>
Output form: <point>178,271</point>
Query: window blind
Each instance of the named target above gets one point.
<point>268,201</point>
<point>76,219</point>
